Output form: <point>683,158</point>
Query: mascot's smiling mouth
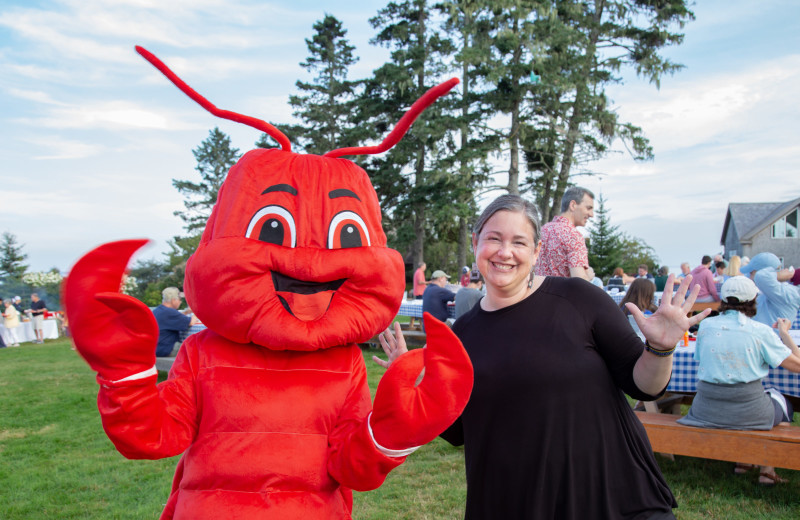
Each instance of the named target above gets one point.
<point>304,300</point>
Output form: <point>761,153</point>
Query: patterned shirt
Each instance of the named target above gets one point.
<point>563,247</point>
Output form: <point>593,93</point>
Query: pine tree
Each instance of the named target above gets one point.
<point>468,25</point>
<point>507,69</point>
<point>605,253</point>
<point>12,259</point>
<point>215,157</point>
<point>587,44</point>
<point>326,104</point>
<point>410,177</point>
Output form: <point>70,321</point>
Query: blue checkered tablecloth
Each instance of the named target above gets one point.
<point>413,308</point>
<point>194,329</point>
<point>684,374</point>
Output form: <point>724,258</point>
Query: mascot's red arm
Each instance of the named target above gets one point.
<point>116,335</point>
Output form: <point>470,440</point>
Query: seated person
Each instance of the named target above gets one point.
<point>661,277</point>
<point>467,297</point>
<point>734,353</point>
<point>719,272</point>
<point>435,297</point>
<point>640,293</point>
<point>777,297</point>
<point>619,279</point>
<point>170,321</point>
<point>643,272</point>
<point>701,275</point>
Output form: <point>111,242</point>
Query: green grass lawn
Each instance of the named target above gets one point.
<point>56,462</point>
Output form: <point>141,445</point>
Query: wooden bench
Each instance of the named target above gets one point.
<point>779,447</point>
<point>700,307</point>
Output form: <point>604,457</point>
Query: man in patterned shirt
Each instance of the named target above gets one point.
<point>563,247</point>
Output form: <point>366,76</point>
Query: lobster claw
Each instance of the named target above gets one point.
<point>114,333</point>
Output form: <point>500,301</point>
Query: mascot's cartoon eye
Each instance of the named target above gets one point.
<point>273,224</point>
<point>347,229</point>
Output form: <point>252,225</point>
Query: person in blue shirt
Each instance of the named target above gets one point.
<point>734,353</point>
<point>171,322</point>
<point>778,298</point>
<point>436,296</point>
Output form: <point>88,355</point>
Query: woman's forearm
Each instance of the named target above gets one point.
<point>652,373</point>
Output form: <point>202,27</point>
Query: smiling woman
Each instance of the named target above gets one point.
<point>562,344</point>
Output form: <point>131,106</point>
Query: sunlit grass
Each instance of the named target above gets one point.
<point>56,462</point>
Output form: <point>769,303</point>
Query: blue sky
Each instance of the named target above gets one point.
<point>92,136</point>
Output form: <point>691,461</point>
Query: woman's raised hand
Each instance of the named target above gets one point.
<point>665,328</point>
<point>394,345</point>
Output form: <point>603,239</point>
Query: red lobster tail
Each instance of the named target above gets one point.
<point>402,126</point>
<point>258,124</point>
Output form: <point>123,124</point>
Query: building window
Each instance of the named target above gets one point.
<point>787,226</point>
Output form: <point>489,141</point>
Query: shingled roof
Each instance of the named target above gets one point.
<point>751,217</point>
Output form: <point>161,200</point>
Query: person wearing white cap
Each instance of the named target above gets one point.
<point>735,353</point>
<point>778,299</point>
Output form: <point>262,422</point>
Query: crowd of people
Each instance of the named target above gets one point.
<point>14,315</point>
<point>539,336</point>
<point>527,334</point>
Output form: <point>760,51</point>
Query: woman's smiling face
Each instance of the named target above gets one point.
<point>505,251</point>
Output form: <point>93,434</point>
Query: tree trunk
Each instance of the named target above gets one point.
<point>513,138</point>
<point>581,93</point>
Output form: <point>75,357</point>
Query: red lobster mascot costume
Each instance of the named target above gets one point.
<point>270,406</point>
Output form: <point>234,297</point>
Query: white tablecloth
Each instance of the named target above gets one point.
<point>25,332</point>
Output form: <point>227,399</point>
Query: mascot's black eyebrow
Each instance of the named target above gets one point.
<point>281,187</point>
<point>335,194</point>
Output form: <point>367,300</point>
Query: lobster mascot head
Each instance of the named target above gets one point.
<point>269,405</point>
<point>294,250</point>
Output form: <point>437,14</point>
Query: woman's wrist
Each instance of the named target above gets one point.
<point>657,351</point>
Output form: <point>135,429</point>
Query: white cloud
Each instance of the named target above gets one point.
<point>55,148</point>
<point>108,115</point>
<point>34,95</point>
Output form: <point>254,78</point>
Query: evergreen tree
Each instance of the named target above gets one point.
<point>586,44</point>
<point>411,177</point>
<point>325,105</point>
<point>507,69</point>
<point>468,25</point>
<point>215,157</point>
<point>12,259</point>
<point>605,252</point>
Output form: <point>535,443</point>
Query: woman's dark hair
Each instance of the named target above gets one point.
<point>733,304</point>
<point>640,293</point>
<point>513,203</point>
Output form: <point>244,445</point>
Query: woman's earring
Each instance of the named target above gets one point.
<point>530,280</point>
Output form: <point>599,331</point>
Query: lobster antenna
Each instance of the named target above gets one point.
<point>258,124</point>
<point>402,126</point>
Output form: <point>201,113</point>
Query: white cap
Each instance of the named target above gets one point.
<point>740,287</point>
